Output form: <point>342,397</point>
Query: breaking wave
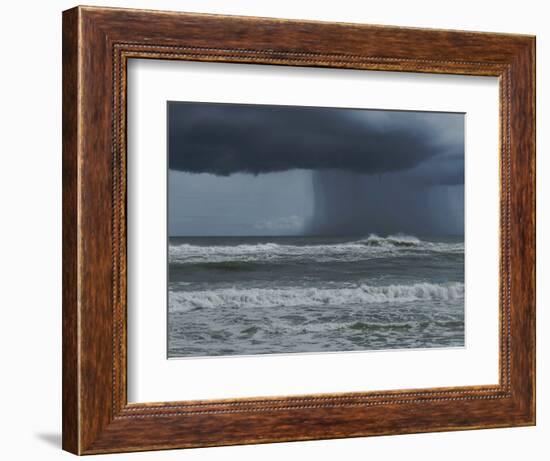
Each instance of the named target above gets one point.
<point>298,296</point>
<point>370,247</point>
<point>398,240</point>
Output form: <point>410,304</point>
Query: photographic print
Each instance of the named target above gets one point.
<point>297,229</point>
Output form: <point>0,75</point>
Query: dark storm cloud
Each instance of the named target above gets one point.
<point>223,139</point>
<point>442,170</point>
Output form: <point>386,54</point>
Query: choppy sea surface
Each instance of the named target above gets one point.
<point>271,295</point>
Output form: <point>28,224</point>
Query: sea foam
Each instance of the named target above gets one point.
<point>369,247</point>
<point>299,296</point>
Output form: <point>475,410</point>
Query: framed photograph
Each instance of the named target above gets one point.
<point>282,230</point>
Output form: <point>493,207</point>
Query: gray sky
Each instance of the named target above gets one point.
<point>282,170</point>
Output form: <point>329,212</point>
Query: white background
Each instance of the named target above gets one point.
<point>30,245</point>
<point>153,378</point>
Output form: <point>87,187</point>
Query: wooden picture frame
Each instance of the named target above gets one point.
<point>97,43</point>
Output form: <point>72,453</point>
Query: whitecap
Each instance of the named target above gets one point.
<point>372,246</point>
<point>362,294</point>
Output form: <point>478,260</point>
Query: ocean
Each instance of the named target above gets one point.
<point>280,295</point>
